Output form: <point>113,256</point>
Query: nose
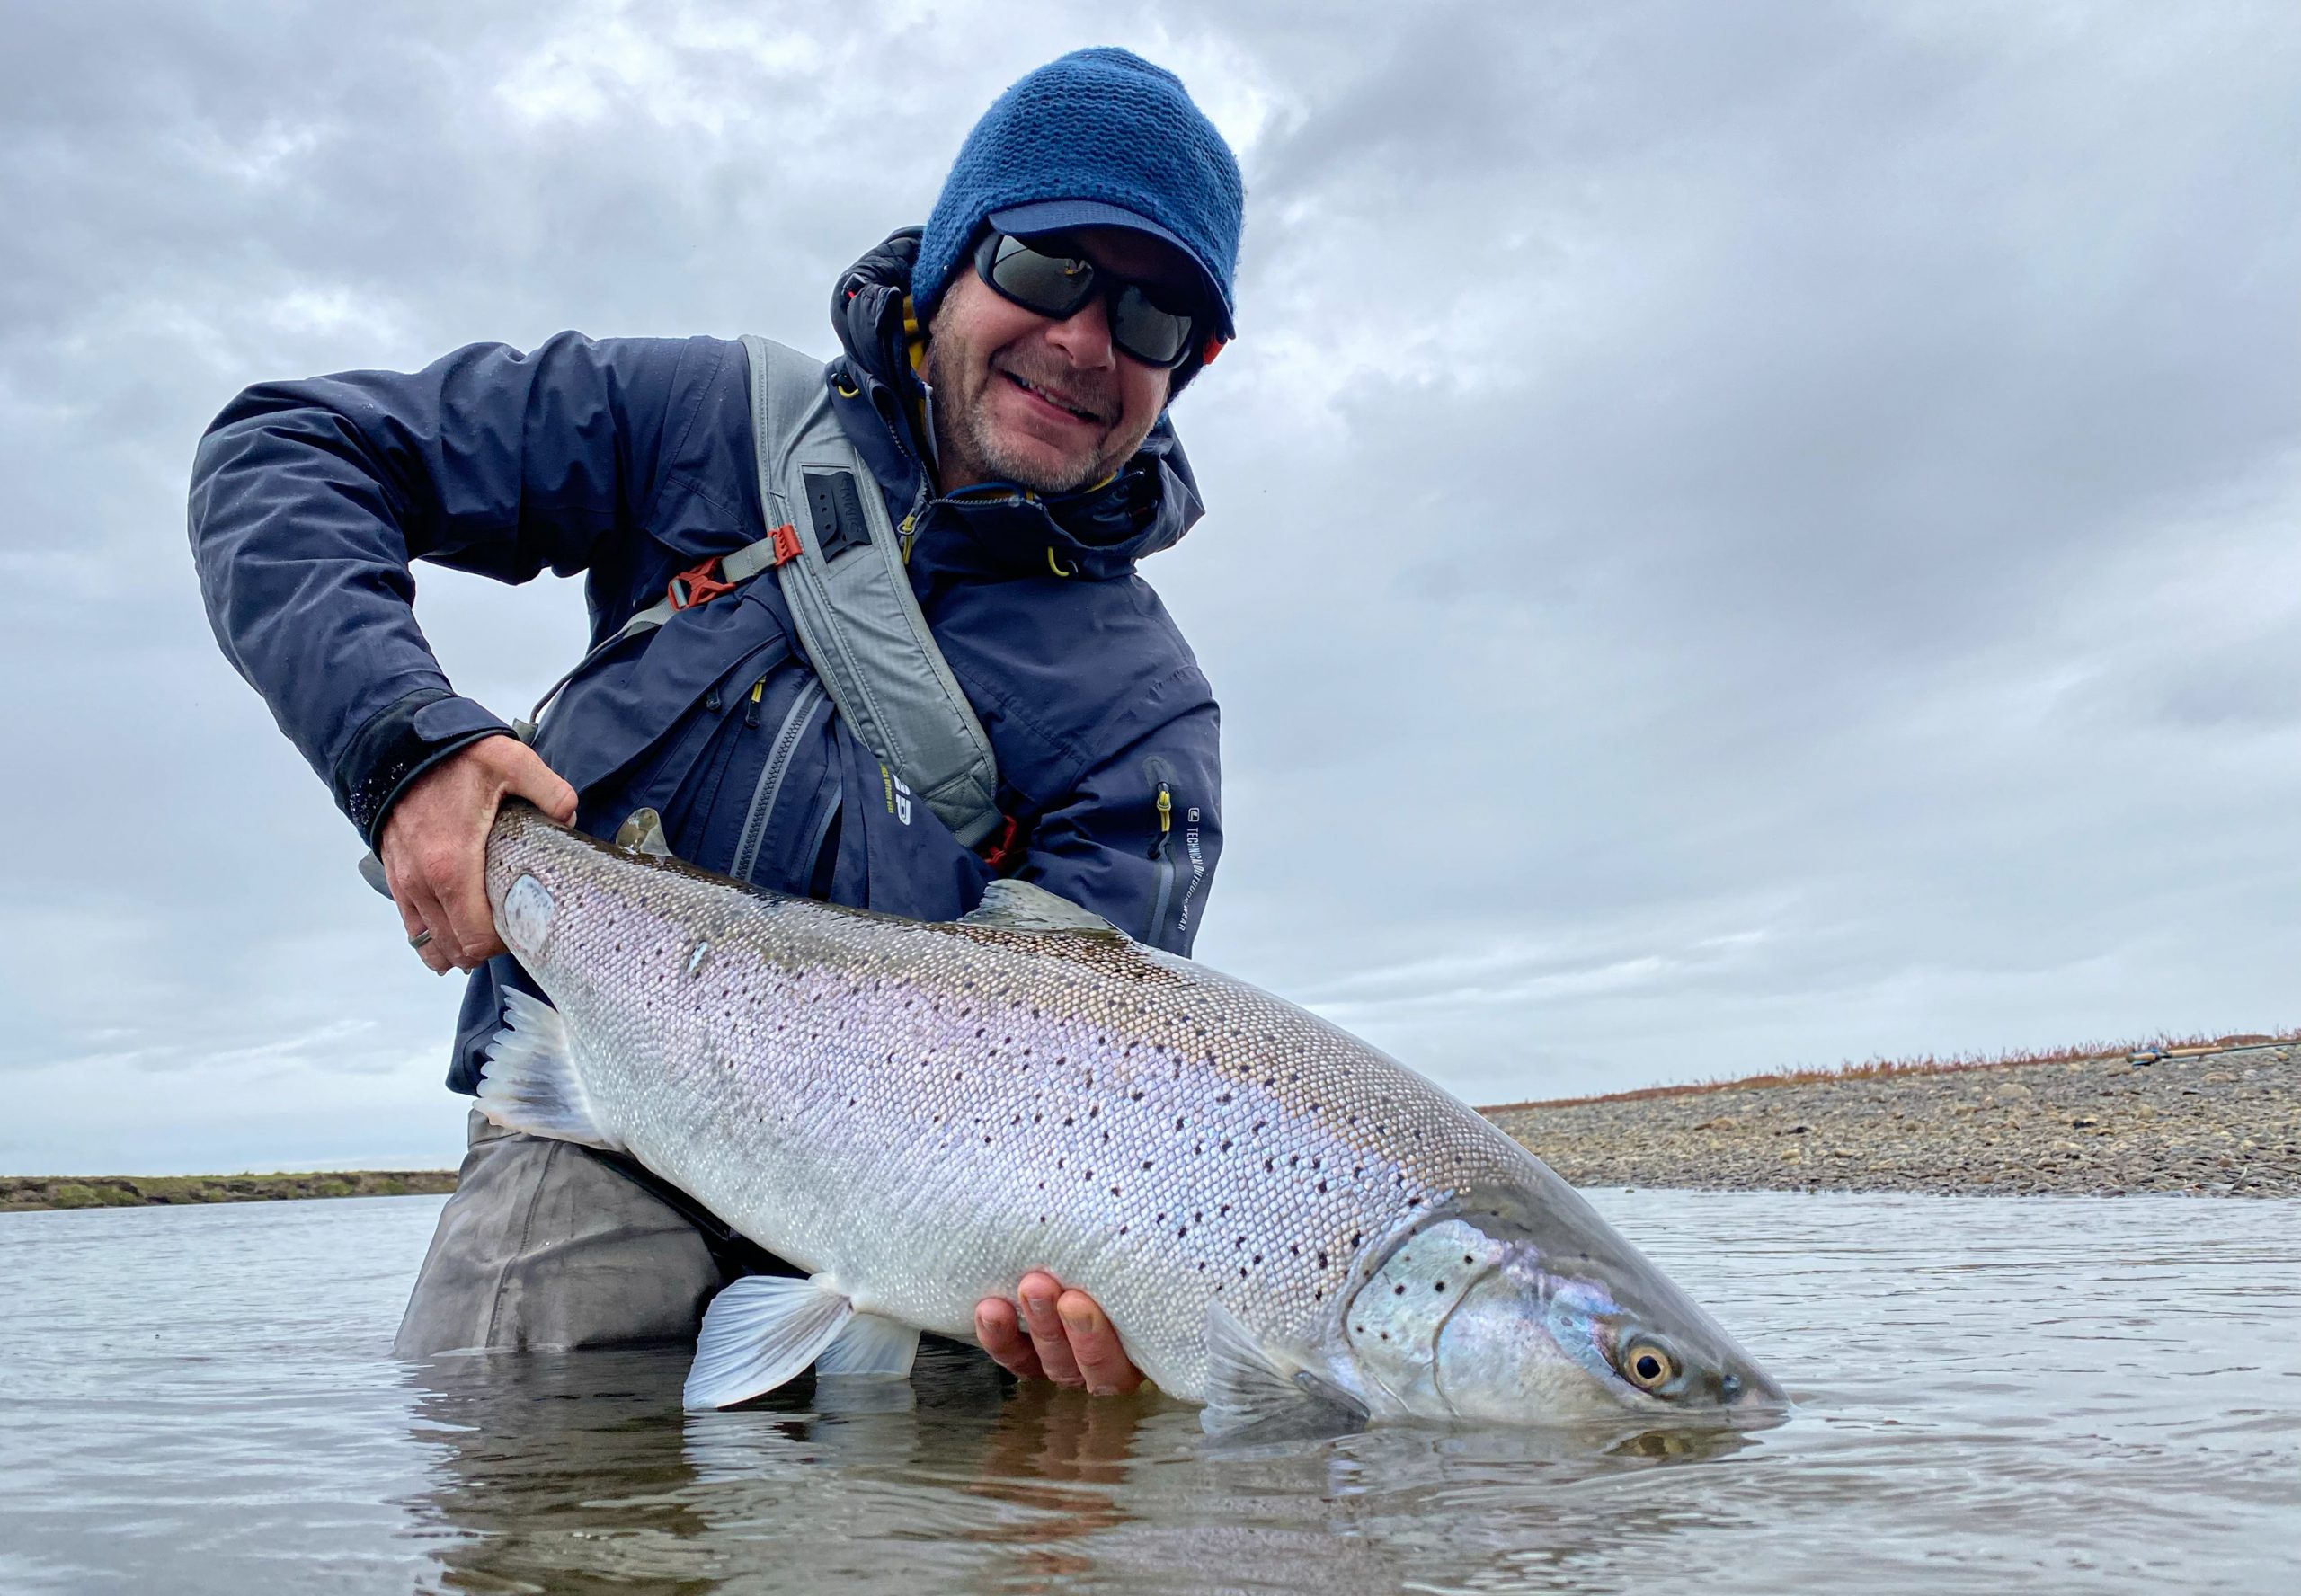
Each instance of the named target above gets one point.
<point>1085,337</point>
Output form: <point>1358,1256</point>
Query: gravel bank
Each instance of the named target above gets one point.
<point>20,1193</point>
<point>2224,1122</point>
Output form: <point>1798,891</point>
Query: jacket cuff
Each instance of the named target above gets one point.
<point>400,743</point>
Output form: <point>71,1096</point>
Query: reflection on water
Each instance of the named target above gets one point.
<point>556,1471</point>
<point>2059,1394</point>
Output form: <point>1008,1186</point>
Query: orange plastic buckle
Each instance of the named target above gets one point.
<point>1000,852</point>
<point>700,585</point>
<point>786,539</point>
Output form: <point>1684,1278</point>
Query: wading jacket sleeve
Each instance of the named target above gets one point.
<point>309,500</point>
<point>629,461</point>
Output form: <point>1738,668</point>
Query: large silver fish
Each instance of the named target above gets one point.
<point>1282,1223</point>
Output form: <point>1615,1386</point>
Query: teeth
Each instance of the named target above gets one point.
<point>1055,400</point>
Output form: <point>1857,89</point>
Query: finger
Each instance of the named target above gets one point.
<point>1001,1335</point>
<point>463,896</point>
<point>542,787</point>
<point>1038,1292</point>
<point>420,911</point>
<point>1103,1362</point>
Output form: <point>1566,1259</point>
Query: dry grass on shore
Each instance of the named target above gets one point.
<point>2162,1045</point>
<point>21,1194</point>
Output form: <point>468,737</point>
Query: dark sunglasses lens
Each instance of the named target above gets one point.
<point>1154,336</point>
<point>1052,285</point>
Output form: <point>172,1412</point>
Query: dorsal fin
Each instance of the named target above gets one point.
<point>1018,906</point>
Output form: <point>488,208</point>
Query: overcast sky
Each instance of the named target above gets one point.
<point>1739,536</point>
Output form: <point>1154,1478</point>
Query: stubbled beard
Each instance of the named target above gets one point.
<point>964,436</point>
<point>965,433</point>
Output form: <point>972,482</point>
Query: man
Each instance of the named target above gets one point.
<point>1075,274</point>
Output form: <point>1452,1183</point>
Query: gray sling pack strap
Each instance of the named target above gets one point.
<point>859,623</point>
<point>833,549</point>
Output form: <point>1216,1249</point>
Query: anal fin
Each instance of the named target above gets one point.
<point>530,1082</point>
<point>758,1333</point>
<point>1251,1397</point>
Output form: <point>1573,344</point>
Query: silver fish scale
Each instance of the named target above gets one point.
<point>926,1113</point>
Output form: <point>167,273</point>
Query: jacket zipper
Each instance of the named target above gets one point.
<point>1162,799</point>
<point>770,779</point>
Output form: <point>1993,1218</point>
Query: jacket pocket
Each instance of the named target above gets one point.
<point>1160,779</point>
<point>772,775</point>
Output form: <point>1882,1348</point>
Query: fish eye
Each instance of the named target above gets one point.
<point>1648,1364</point>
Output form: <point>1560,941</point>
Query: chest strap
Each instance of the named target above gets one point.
<point>841,565</point>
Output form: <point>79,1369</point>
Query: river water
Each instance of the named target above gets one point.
<point>2054,1394</point>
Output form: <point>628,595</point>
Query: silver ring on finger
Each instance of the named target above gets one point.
<point>421,939</point>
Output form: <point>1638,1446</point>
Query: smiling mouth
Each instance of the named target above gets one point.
<point>1057,400</point>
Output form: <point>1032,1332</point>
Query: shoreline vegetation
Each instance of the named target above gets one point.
<point>2219,1117</point>
<point>23,1193</point>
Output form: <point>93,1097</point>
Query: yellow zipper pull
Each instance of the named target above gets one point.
<point>1166,810</point>
<point>904,530</point>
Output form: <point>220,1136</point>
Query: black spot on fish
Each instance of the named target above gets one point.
<point>1398,1290</point>
<point>1438,1285</point>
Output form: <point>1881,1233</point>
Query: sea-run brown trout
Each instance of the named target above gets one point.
<point>1283,1224</point>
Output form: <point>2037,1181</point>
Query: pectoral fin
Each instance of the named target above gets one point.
<point>1254,1396</point>
<point>530,1083</point>
<point>758,1333</point>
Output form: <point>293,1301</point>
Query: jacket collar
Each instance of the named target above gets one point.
<point>1097,532</point>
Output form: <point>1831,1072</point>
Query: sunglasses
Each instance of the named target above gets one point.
<point>1058,285</point>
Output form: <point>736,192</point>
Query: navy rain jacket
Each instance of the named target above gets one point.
<point>631,460</point>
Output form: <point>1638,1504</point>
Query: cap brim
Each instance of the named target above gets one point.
<point>1061,216</point>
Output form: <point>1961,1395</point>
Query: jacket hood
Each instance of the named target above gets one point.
<point>1097,532</point>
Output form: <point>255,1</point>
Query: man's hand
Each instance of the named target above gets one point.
<point>434,845</point>
<point>1062,1336</point>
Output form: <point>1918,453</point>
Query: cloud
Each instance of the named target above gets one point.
<point>1740,536</point>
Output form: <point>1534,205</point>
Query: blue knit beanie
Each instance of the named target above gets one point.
<point>1096,136</point>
